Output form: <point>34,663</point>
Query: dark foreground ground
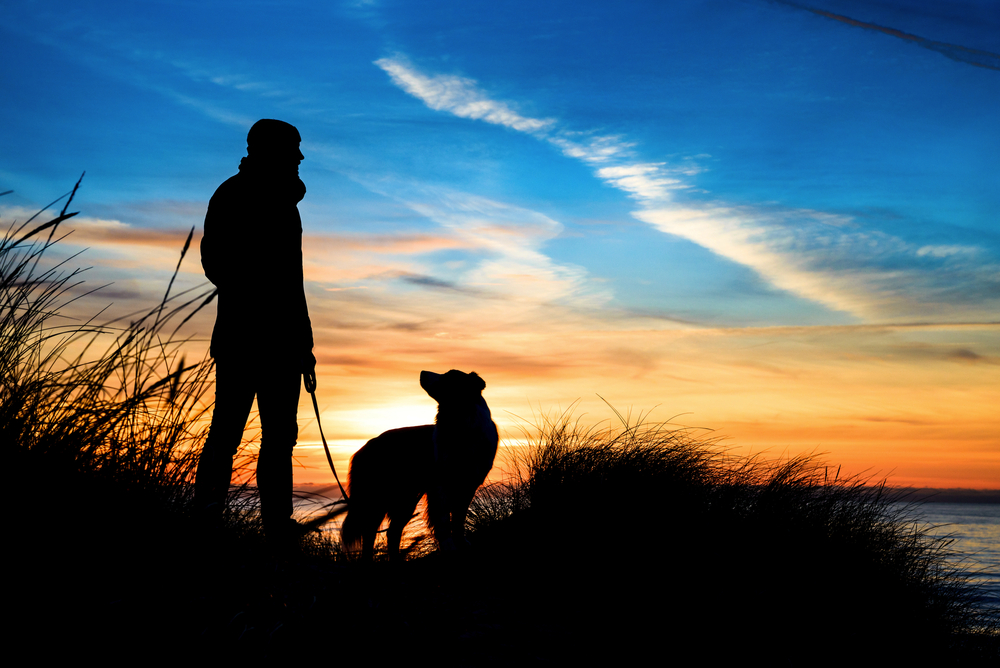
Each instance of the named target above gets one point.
<point>128,585</point>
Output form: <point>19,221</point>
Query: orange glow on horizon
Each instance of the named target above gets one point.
<point>892,403</point>
<point>914,403</point>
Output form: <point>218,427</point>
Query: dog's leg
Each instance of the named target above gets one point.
<point>393,537</point>
<point>368,546</point>
<point>440,518</point>
<point>400,515</point>
<point>461,500</point>
<point>458,526</point>
<point>369,536</point>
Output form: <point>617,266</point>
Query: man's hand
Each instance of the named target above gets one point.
<point>309,372</point>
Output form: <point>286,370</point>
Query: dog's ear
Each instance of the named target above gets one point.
<point>477,382</point>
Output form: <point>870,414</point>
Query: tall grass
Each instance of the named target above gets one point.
<point>651,538</point>
<point>116,399</point>
<point>101,425</point>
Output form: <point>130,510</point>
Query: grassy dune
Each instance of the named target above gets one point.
<point>603,545</point>
<point>775,563</point>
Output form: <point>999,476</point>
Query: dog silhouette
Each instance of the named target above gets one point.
<point>447,461</point>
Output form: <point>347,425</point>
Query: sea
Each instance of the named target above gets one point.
<point>974,532</point>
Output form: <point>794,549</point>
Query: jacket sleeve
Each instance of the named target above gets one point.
<point>211,253</point>
<point>223,249</point>
<point>305,322</point>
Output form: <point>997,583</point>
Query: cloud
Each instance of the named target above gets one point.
<point>832,260</point>
<point>458,96</point>
<point>354,261</point>
<point>116,53</point>
<point>495,251</point>
<point>478,272</point>
<point>402,243</point>
<point>946,251</point>
<point>826,258</point>
<point>434,283</point>
<point>107,233</point>
<point>510,238</point>
<point>461,96</point>
<point>643,181</point>
<point>593,149</point>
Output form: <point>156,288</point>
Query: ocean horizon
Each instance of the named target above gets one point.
<point>974,529</point>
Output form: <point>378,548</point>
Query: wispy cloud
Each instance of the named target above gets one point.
<point>437,283</point>
<point>105,233</point>
<point>458,96</point>
<point>643,181</point>
<point>830,259</point>
<point>118,54</point>
<point>612,155</point>
<point>481,268</point>
<point>510,239</point>
<point>592,149</point>
<point>406,243</point>
<point>834,261</point>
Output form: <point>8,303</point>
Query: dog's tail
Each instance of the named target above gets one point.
<point>350,531</point>
<point>353,527</point>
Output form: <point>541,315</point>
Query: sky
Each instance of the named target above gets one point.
<point>777,223</point>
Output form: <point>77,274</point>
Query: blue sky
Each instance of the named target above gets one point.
<point>505,176</point>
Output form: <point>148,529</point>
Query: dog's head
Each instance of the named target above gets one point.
<point>454,386</point>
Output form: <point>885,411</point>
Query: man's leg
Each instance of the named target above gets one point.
<point>278,402</point>
<point>234,392</point>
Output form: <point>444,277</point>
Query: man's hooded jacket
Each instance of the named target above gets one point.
<point>252,252</point>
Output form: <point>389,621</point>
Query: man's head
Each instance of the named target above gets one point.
<point>276,142</point>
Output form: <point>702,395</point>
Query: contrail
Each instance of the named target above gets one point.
<point>987,59</point>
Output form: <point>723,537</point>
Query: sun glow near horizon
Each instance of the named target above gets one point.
<point>910,403</point>
<point>853,397</point>
<point>692,209</point>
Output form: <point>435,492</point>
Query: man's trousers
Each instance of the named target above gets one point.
<point>276,386</point>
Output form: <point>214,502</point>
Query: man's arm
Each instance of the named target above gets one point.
<point>222,251</point>
<point>210,251</point>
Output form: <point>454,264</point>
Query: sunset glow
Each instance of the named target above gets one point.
<point>775,223</point>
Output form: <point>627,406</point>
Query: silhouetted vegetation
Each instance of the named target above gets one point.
<point>101,424</point>
<point>604,544</point>
<point>651,537</point>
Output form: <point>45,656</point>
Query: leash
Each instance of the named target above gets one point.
<point>310,382</point>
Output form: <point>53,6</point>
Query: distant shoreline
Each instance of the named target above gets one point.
<point>947,495</point>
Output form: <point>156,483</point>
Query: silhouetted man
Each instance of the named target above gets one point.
<point>262,342</point>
